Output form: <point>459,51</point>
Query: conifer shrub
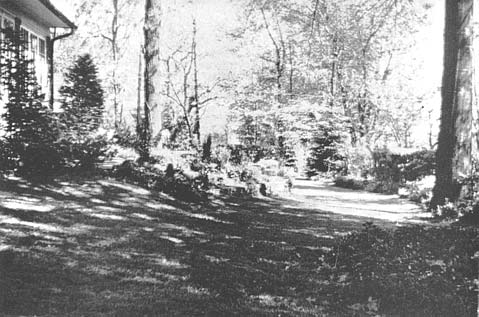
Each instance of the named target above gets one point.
<point>206,154</point>
<point>31,133</point>
<point>82,115</point>
<point>324,153</point>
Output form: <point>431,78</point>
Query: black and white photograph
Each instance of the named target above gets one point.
<point>239,158</point>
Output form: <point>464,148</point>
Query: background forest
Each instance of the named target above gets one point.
<point>273,74</point>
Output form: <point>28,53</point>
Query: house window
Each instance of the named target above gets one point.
<point>8,24</point>
<point>34,44</point>
<point>42,48</point>
<point>24,35</point>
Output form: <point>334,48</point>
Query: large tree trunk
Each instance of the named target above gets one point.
<point>466,108</point>
<point>153,78</point>
<point>458,143</point>
<point>152,110</point>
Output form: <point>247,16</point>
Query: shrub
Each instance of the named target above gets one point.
<point>178,185</point>
<point>82,98</point>
<point>125,137</point>
<point>324,153</point>
<point>358,161</point>
<point>240,154</point>
<point>30,125</point>
<point>417,165</point>
<point>6,157</point>
<point>84,154</point>
<point>413,271</point>
<point>350,182</point>
<point>467,207</point>
<point>390,170</point>
<point>419,191</point>
<point>82,115</point>
<point>206,154</point>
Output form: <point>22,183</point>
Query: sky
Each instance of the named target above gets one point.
<point>64,7</point>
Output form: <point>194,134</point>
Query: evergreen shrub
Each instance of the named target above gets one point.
<point>324,153</point>
<point>350,182</point>
<point>83,108</point>
<point>29,147</point>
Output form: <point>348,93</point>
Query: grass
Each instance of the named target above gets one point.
<point>104,248</point>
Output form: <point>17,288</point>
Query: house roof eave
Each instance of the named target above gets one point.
<point>59,14</point>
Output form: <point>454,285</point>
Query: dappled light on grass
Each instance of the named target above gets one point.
<point>26,205</point>
<point>180,230</point>
<point>72,191</point>
<point>142,216</point>
<point>159,206</point>
<point>108,209</point>
<point>107,217</point>
<point>6,220</point>
<point>172,239</point>
<point>126,187</point>
<point>315,232</point>
<point>203,217</point>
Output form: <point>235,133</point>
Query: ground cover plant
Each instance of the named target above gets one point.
<point>407,272</point>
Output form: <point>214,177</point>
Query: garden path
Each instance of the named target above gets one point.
<point>323,196</point>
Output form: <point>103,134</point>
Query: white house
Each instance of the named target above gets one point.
<point>42,24</point>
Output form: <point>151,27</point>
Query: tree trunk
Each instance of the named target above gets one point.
<point>466,108</point>
<point>195,104</point>
<point>457,144</point>
<point>152,75</point>
<point>114,55</point>
<point>152,80</point>
<point>138,93</point>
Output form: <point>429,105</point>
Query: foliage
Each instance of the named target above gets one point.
<point>256,127</point>
<point>325,155</point>
<point>108,31</point>
<point>125,137</point>
<point>239,154</point>
<point>419,191</point>
<point>467,206</point>
<point>30,125</point>
<point>206,153</point>
<point>390,171</point>
<point>82,98</point>
<point>350,182</point>
<point>84,154</point>
<point>411,271</point>
<point>6,159</point>
<point>80,144</point>
<point>316,59</point>
<point>393,169</point>
<point>180,186</point>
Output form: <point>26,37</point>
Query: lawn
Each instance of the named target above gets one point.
<point>100,247</point>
